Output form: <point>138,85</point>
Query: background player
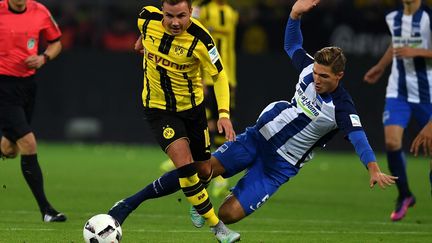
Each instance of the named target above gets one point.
<point>408,89</point>
<point>22,22</point>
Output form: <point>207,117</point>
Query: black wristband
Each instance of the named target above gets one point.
<point>46,57</point>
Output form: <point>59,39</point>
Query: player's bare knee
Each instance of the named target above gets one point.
<point>27,144</point>
<point>392,144</point>
<point>203,169</point>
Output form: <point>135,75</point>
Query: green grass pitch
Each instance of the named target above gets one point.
<point>329,201</point>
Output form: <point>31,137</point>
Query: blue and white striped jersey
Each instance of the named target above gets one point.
<point>411,78</point>
<point>309,119</point>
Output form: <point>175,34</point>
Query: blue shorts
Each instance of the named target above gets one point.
<point>398,112</point>
<point>266,171</point>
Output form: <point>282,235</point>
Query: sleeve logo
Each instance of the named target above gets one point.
<point>214,55</point>
<point>355,120</point>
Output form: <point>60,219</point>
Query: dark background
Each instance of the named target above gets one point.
<point>92,91</point>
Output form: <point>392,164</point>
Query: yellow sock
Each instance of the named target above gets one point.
<point>196,193</point>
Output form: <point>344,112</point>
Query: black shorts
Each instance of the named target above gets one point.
<point>169,126</point>
<point>17,99</point>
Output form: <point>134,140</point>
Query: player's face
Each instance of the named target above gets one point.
<point>409,1</point>
<point>176,17</point>
<point>19,4</point>
<point>325,80</point>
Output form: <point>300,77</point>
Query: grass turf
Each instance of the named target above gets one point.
<point>329,201</point>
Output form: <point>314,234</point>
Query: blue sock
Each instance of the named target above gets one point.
<point>164,185</point>
<point>397,164</point>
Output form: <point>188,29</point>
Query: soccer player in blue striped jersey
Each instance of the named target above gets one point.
<point>281,142</point>
<point>409,87</point>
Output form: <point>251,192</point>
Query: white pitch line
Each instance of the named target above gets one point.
<point>25,229</point>
<point>254,231</point>
<point>261,219</point>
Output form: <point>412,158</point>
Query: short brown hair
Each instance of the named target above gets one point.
<point>174,2</point>
<point>331,56</point>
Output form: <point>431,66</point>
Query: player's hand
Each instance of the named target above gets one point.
<point>302,6</point>
<point>383,180</point>
<point>423,140</point>
<point>138,47</point>
<point>224,125</point>
<point>35,61</point>
<point>405,52</point>
<point>373,75</point>
<point>377,177</point>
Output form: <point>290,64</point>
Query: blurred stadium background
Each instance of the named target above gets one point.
<point>92,91</point>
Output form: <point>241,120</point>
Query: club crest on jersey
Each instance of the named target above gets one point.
<point>31,43</point>
<point>355,120</point>
<point>168,132</point>
<point>178,50</point>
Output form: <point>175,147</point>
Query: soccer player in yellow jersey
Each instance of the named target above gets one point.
<point>221,20</point>
<point>175,47</point>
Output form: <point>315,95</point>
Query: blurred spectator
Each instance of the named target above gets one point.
<point>90,24</point>
<point>119,35</point>
<point>259,44</point>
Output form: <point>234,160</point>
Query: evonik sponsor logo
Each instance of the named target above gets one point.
<point>165,62</point>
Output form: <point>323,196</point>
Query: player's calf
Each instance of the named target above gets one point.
<point>231,210</point>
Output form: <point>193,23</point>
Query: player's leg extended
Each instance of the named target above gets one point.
<point>396,157</point>
<point>197,195</point>
<point>190,183</point>
<point>254,189</point>
<point>397,114</point>
<point>397,166</point>
<point>33,175</point>
<point>165,185</point>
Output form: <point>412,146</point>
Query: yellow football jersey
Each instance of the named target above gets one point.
<point>221,21</point>
<point>172,79</point>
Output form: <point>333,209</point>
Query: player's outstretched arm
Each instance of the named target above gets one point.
<point>374,74</point>
<point>221,89</point>
<point>377,177</point>
<point>302,6</point>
